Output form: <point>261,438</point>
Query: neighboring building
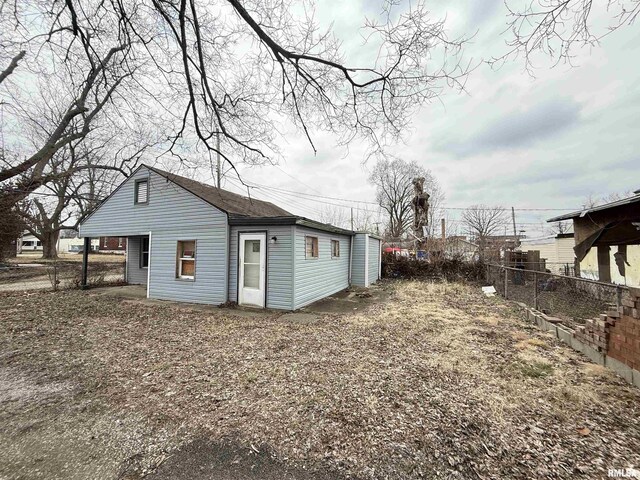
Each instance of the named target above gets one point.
<point>112,245</point>
<point>457,246</point>
<point>74,245</point>
<point>555,250</point>
<point>29,243</point>
<point>191,242</point>
<point>607,241</point>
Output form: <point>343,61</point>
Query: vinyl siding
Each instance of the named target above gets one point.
<point>316,278</point>
<point>374,259</point>
<point>358,263</point>
<point>172,214</point>
<point>135,274</point>
<point>279,265</point>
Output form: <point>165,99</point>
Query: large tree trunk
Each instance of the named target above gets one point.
<point>50,244</point>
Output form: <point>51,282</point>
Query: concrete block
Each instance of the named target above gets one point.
<point>577,344</point>
<point>594,355</point>
<point>564,335</point>
<point>625,371</point>
<point>634,292</point>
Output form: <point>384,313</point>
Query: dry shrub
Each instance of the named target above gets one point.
<point>450,269</point>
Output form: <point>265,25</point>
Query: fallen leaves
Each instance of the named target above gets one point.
<point>431,384</point>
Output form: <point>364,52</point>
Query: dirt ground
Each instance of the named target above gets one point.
<point>436,382</point>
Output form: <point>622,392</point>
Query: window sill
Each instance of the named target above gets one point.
<point>180,279</point>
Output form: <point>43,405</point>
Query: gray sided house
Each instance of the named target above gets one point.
<point>191,242</point>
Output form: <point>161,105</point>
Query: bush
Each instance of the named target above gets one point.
<point>450,269</point>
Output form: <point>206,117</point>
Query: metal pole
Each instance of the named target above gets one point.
<point>218,160</point>
<point>506,282</point>
<point>85,261</point>
<point>515,235</point>
<point>535,287</point>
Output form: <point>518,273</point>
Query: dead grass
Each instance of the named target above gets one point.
<point>438,382</point>
<point>36,257</point>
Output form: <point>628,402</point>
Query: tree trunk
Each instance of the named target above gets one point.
<point>50,244</point>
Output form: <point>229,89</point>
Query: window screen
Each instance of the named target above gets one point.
<point>142,191</point>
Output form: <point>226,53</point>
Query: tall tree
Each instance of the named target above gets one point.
<point>213,67</point>
<point>482,222</point>
<point>394,192</point>
<point>554,27</point>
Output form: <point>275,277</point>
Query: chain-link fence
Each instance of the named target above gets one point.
<point>572,299</point>
<point>61,274</point>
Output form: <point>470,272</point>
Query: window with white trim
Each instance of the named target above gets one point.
<point>311,247</point>
<point>120,241</point>
<point>335,248</point>
<point>186,268</point>
<point>141,191</point>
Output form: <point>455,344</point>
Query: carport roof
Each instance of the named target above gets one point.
<point>606,206</point>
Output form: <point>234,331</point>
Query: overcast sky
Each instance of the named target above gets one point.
<point>512,140</point>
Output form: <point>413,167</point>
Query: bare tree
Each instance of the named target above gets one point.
<point>394,192</point>
<point>560,228</point>
<point>363,218</point>
<point>65,201</point>
<point>483,221</point>
<point>554,27</point>
<point>218,68</point>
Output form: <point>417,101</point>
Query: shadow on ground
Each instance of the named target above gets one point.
<point>202,460</point>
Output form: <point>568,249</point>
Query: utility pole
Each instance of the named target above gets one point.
<point>515,235</point>
<point>352,219</point>
<point>218,160</point>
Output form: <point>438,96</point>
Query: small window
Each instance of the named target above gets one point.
<point>335,248</point>
<point>186,268</point>
<point>142,191</point>
<point>311,247</point>
<point>144,252</point>
<point>120,242</point>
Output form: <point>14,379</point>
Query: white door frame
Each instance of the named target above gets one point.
<point>246,295</point>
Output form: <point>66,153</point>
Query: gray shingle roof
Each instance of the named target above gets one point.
<point>233,204</point>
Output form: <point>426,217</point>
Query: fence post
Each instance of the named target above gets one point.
<point>506,281</point>
<point>535,290</point>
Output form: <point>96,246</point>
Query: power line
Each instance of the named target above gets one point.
<point>304,194</point>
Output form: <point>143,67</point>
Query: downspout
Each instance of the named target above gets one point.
<point>350,257</point>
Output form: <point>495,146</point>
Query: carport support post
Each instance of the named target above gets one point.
<point>85,262</point>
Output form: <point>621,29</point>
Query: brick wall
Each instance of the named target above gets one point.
<point>616,333</point>
<point>113,243</point>
<point>624,336</point>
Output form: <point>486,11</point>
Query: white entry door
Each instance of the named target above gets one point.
<point>252,266</point>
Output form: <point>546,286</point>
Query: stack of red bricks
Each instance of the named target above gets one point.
<point>596,332</point>
<point>624,336</point>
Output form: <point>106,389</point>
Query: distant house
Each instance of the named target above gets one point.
<point>607,240</point>
<point>458,246</point>
<point>29,243</point>
<point>112,245</point>
<point>555,250</point>
<point>191,242</point>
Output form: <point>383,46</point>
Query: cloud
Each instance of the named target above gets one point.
<point>518,128</point>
